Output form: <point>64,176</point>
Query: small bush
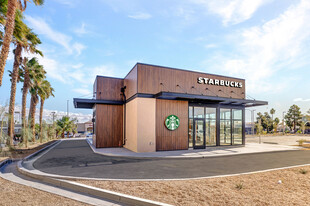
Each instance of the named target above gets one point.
<point>239,186</point>
<point>301,142</point>
<point>303,171</point>
<point>299,132</point>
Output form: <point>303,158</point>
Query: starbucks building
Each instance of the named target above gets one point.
<point>156,108</point>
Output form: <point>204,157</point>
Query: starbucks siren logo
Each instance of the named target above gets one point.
<point>172,122</point>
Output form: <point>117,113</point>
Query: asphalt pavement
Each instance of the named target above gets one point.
<point>75,158</point>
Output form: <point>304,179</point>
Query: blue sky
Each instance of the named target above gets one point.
<point>264,41</point>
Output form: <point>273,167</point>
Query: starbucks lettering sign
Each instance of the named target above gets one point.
<point>172,122</point>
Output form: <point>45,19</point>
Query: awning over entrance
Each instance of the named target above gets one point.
<point>220,100</point>
<point>89,103</point>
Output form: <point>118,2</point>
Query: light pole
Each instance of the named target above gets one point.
<point>283,122</point>
<point>68,108</point>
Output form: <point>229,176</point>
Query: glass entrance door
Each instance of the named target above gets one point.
<point>199,131</point>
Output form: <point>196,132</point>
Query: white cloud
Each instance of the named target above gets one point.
<point>39,25</point>
<point>78,48</point>
<point>77,66</point>
<point>69,3</point>
<point>209,46</point>
<point>83,91</point>
<point>301,100</point>
<point>232,11</point>
<point>140,16</point>
<point>81,30</point>
<point>264,50</point>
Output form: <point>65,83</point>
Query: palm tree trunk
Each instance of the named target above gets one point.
<point>9,28</point>
<point>24,102</point>
<point>18,53</point>
<point>32,112</point>
<point>41,114</point>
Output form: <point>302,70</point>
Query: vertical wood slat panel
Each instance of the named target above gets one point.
<point>130,81</point>
<point>166,139</point>
<point>108,88</point>
<point>109,125</point>
<point>150,77</point>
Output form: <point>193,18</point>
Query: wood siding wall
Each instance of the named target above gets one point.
<point>109,125</point>
<point>130,82</point>
<point>108,88</point>
<point>166,139</point>
<point>150,77</point>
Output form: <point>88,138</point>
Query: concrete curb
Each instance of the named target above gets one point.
<point>5,161</point>
<point>289,148</point>
<point>42,150</point>
<point>101,193</point>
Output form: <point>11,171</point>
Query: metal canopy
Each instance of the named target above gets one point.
<point>89,103</point>
<point>220,100</point>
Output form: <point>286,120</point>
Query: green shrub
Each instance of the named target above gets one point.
<point>303,171</point>
<point>239,186</point>
<point>301,142</point>
<point>299,132</point>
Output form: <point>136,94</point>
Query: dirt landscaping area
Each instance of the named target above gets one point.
<point>252,189</point>
<point>21,152</point>
<point>288,139</point>
<point>16,194</point>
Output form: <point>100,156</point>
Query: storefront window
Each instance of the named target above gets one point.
<point>237,126</point>
<point>210,126</point>
<point>190,133</point>
<point>198,112</point>
<point>225,124</point>
<point>190,127</point>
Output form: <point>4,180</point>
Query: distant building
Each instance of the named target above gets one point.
<point>85,127</point>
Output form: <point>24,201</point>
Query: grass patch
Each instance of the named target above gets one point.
<point>303,171</point>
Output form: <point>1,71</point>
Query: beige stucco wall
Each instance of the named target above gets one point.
<point>131,125</point>
<point>140,125</point>
<point>146,124</point>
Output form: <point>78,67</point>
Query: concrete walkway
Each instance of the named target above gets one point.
<point>9,172</point>
<point>75,158</point>
<point>208,152</point>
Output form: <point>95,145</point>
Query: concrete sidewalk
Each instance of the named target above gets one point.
<point>191,153</point>
<point>9,172</point>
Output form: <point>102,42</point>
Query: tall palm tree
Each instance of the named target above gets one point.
<point>272,111</point>
<point>44,94</point>
<point>31,69</point>
<point>13,8</point>
<point>35,89</point>
<point>7,38</point>
<point>26,40</point>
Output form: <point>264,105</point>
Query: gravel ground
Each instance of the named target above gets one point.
<point>16,194</point>
<point>257,189</point>
<point>282,140</point>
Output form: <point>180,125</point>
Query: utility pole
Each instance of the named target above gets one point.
<point>283,121</point>
<point>53,113</point>
<point>253,124</point>
<point>68,108</point>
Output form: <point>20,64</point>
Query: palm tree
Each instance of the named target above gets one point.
<point>65,125</point>
<point>24,39</point>
<point>13,7</point>
<point>30,69</point>
<point>44,94</point>
<point>272,111</point>
<point>35,89</point>
<point>7,38</point>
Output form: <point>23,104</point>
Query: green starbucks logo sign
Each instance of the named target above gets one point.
<point>172,122</point>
